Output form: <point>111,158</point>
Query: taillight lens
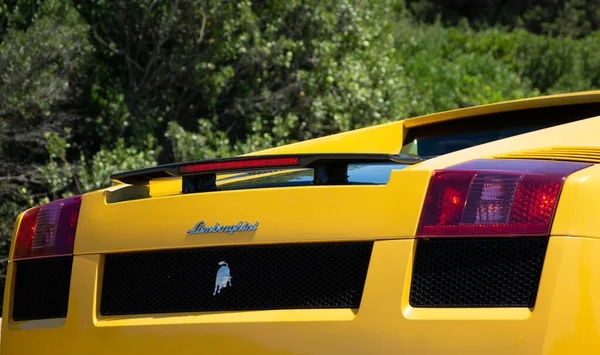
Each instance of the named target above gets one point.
<point>48,230</point>
<point>494,198</point>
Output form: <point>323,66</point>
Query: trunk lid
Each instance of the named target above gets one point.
<point>265,207</point>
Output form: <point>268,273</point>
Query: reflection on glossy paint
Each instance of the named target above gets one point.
<point>581,332</point>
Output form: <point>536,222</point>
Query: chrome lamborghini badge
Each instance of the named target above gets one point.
<point>223,278</point>
<point>202,228</point>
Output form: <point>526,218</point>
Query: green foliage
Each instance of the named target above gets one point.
<point>58,171</point>
<point>95,173</point>
<point>572,18</point>
<point>206,144</point>
<point>43,48</point>
<point>253,74</point>
<point>36,64</point>
<point>447,69</point>
<point>18,14</point>
<point>458,66</point>
<point>91,174</point>
<point>331,71</point>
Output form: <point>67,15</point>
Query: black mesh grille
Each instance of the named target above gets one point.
<point>42,288</point>
<point>323,275</point>
<point>477,272</point>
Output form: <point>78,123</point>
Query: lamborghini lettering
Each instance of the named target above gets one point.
<point>201,228</point>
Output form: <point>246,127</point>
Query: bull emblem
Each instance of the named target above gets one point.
<point>223,277</point>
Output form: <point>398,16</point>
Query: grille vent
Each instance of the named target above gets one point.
<point>477,272</point>
<point>42,288</point>
<point>578,154</point>
<point>290,276</point>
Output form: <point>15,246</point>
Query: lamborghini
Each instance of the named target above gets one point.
<point>471,231</point>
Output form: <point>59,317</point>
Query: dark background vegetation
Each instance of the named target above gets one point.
<point>88,88</point>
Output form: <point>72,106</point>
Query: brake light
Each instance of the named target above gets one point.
<point>494,198</point>
<point>48,230</point>
<point>242,163</point>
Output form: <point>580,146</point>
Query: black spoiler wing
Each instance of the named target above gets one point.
<point>332,166</point>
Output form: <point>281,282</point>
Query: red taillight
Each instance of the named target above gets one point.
<point>494,198</point>
<point>243,163</point>
<point>48,230</point>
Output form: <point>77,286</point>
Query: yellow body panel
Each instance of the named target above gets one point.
<point>565,320</point>
<point>161,223</point>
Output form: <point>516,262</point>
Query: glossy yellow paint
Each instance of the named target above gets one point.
<point>566,318</point>
<point>162,222</point>
<point>578,207</point>
<point>564,321</point>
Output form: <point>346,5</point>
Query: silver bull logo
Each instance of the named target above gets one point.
<point>223,278</point>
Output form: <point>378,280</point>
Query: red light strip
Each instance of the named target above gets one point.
<point>240,164</point>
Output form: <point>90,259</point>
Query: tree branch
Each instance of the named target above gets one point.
<point>202,28</point>
<point>116,51</point>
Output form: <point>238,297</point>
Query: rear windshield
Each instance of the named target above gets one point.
<point>434,146</point>
<point>359,174</point>
<point>446,137</point>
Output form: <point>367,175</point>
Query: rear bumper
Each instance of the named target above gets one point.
<point>564,320</point>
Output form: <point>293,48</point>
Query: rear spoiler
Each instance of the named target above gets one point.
<point>330,168</point>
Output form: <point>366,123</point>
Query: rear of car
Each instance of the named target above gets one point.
<point>472,231</point>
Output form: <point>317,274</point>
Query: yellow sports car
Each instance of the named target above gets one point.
<point>473,231</point>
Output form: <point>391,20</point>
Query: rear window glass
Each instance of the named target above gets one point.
<point>449,136</point>
<point>368,173</point>
<point>434,146</point>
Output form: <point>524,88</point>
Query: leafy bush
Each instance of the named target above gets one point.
<point>448,70</point>
<point>572,18</point>
<point>248,75</point>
